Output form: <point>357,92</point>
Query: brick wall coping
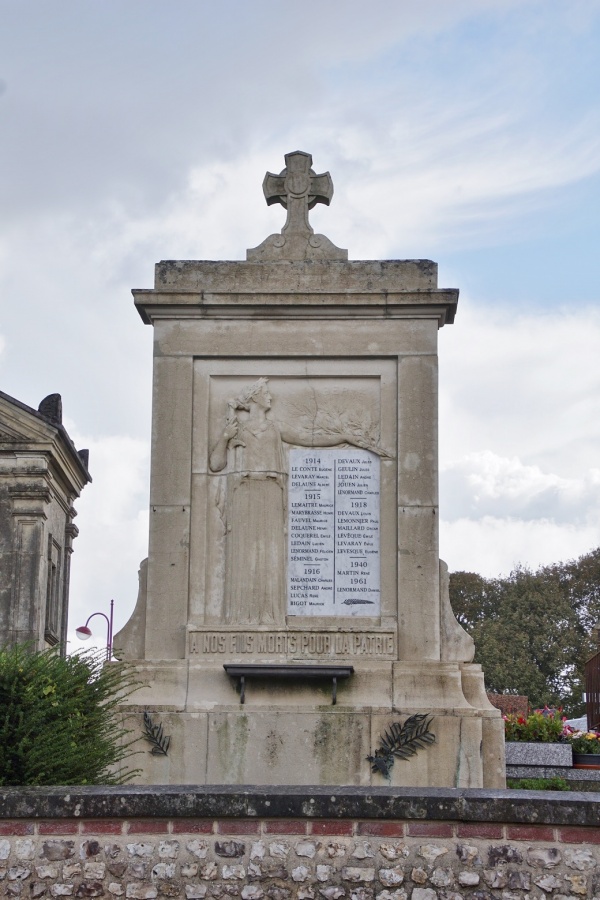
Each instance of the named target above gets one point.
<point>301,802</point>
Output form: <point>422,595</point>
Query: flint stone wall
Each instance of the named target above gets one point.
<point>286,844</point>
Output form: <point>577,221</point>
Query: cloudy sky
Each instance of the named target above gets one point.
<point>464,131</point>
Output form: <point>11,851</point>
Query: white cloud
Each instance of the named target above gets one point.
<point>519,434</point>
<point>494,546</point>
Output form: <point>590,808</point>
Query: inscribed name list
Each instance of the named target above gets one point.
<point>333,533</point>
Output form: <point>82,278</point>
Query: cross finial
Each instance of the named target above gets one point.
<point>298,189</point>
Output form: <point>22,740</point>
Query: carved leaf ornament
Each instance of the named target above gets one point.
<point>156,736</point>
<point>402,742</point>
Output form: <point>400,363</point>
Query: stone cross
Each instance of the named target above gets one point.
<point>298,189</point>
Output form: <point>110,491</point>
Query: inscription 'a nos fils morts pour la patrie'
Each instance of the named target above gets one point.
<point>333,533</point>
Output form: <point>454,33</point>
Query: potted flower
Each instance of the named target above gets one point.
<point>539,739</point>
<point>586,749</point>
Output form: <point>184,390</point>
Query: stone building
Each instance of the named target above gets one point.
<point>41,476</point>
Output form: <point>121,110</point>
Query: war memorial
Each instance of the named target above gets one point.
<point>293,616</point>
<point>293,610</point>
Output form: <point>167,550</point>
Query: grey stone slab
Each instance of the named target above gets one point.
<point>312,802</point>
<point>538,754</point>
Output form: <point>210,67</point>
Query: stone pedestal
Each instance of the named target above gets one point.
<point>267,372</point>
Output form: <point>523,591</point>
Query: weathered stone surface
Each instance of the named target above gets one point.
<point>419,875</point>
<point>252,892</point>
<point>393,851</point>
<point>543,857</point>
<point>168,849</point>
<point>89,889</point>
<point>164,870</point>
<point>391,877</point>
<point>71,870</point>
<point>138,869</point>
<point>141,892</point>
<point>336,848</point>
<point>300,874</point>
<point>579,859</point>
<point>442,877</point>
<point>547,883</point>
<point>116,867</point>
<point>504,854</point>
<point>423,894</point>
<point>141,849</point>
<point>18,873</point>
<point>324,873</point>
<point>332,893</point>
<point>430,852</point>
<point>55,850</point>
<point>46,871</point>
<point>495,878</point>
<point>230,849</point>
<point>518,881</point>
<point>357,874</point>
<point>196,891</point>
<point>229,872</point>
<point>189,870</point>
<point>25,849</point>
<point>469,854</point>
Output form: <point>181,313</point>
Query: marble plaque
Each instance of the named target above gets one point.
<point>333,533</point>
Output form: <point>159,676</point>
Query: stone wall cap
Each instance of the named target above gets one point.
<point>301,801</point>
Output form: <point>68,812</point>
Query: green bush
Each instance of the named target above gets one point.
<point>59,719</point>
<point>538,784</point>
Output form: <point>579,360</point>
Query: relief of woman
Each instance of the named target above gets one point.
<point>255,511</point>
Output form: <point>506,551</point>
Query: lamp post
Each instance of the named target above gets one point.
<point>84,633</point>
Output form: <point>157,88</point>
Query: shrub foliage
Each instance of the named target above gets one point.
<point>59,719</point>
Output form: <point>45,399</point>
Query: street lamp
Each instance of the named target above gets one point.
<point>84,633</point>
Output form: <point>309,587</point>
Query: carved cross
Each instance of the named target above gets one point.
<point>298,189</point>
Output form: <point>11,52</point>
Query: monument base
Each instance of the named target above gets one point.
<point>291,733</point>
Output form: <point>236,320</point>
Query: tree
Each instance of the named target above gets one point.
<point>60,720</point>
<point>532,630</point>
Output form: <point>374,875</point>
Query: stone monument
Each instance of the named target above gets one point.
<point>293,609</point>
<point>41,477</point>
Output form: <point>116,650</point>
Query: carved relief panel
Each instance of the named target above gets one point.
<point>293,481</point>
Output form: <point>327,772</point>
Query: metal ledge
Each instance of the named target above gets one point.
<point>276,671</point>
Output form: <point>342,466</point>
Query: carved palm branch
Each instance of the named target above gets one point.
<point>402,741</point>
<point>156,736</point>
